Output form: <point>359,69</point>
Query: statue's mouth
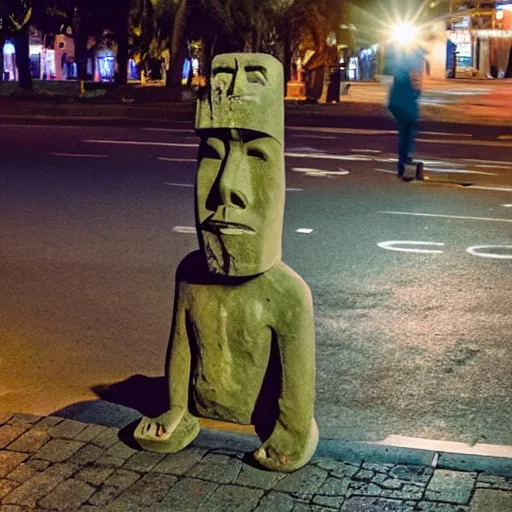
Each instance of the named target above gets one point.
<point>228,228</point>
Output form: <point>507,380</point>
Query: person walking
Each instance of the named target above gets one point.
<point>405,64</point>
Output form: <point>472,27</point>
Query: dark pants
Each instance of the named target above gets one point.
<point>407,129</point>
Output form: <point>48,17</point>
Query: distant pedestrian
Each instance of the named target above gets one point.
<point>405,64</point>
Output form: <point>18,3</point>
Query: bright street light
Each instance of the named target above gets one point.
<point>403,33</point>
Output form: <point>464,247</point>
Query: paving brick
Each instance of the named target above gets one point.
<point>495,482</point>
<point>116,455</point>
<point>430,506</point>
<point>276,501</point>
<point>90,432</point>
<point>106,438</point>
<point>9,461</point>
<point>304,507</point>
<point>417,474</point>
<point>487,500</point>
<point>68,495</point>
<point>29,492</point>
<point>59,450</point>
<point>12,508</point>
<point>337,468</point>
<point>48,422</point>
<point>328,501</point>
<point>379,478</point>
<point>366,489</point>
<point>334,486</point>
<point>87,454</point>
<point>377,467</point>
<point>187,495</point>
<point>450,486</point>
<point>407,492</point>
<point>147,491</point>
<point>221,469</point>
<point>114,485</point>
<point>364,474</point>
<point>255,477</point>
<point>369,504</point>
<point>27,470</point>
<point>143,462</point>
<point>24,419</point>
<point>94,475</point>
<point>5,417</point>
<point>67,429</point>
<point>179,463</point>
<point>8,433</point>
<point>306,480</point>
<point>30,441</point>
<point>392,483</point>
<point>229,498</point>
<point>6,486</point>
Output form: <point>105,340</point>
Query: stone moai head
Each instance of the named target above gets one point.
<point>240,185</point>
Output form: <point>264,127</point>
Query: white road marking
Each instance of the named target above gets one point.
<point>320,172</point>
<point>496,189</point>
<point>142,143</point>
<point>305,231</point>
<point>479,161</point>
<point>487,143</point>
<point>79,155</point>
<point>170,130</point>
<point>475,251</point>
<point>166,159</point>
<point>347,131</point>
<point>446,216</point>
<point>386,170</point>
<point>505,137</point>
<point>496,166</point>
<point>188,230</point>
<point>306,136</point>
<point>324,156</point>
<point>507,205</point>
<point>459,171</point>
<point>294,190</point>
<point>366,150</point>
<point>485,450</point>
<point>447,133</point>
<point>392,246</point>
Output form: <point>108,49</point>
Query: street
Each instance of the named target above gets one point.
<point>411,281</point>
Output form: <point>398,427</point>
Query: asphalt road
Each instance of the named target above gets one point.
<point>94,220</point>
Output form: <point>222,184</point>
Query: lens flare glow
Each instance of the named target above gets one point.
<point>404,33</point>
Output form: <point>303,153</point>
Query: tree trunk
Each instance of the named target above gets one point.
<point>122,51</point>
<point>23,59</point>
<point>179,49</point>
<point>2,42</point>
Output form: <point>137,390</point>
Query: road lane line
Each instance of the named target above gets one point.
<point>320,172</point>
<point>307,136</point>
<point>168,159</point>
<point>455,142</point>
<point>507,205</point>
<point>324,156</point>
<point>366,150</point>
<point>459,171</point>
<point>391,246</point>
<point>447,133</point>
<point>180,184</point>
<point>495,189</point>
<point>490,219</point>
<point>79,155</point>
<point>304,231</point>
<point>347,131</point>
<point>170,130</point>
<point>480,161</point>
<point>187,230</point>
<point>475,251</point>
<point>142,143</point>
<point>386,170</point>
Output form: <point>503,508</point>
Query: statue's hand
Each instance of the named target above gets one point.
<point>286,450</point>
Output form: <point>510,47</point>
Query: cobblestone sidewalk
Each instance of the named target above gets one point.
<point>51,463</point>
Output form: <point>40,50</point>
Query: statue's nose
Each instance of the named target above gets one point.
<point>232,182</point>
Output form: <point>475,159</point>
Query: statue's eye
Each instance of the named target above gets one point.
<point>257,153</point>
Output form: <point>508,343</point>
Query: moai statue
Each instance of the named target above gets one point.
<point>242,344</point>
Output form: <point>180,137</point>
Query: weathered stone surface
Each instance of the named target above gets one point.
<point>8,433</point>
<point>94,475</point>
<point>432,506</point>
<point>59,450</point>
<point>379,478</point>
<point>30,441</point>
<point>143,461</point>
<point>24,419</point>
<point>450,486</point>
<point>377,467</point>
<point>68,495</point>
<point>407,492</point>
<point>255,477</point>
<point>217,468</point>
<point>90,432</point>
<point>328,501</point>
<point>306,480</point>
<point>6,486</point>
<point>5,417</point>
<point>487,500</point>
<point>417,474</point>
<point>392,483</point>
<point>233,498</point>
<point>67,429</point>
<point>180,463</point>
<point>9,461</point>
<point>27,470</point>
<point>368,504</point>
<point>304,507</point>
<point>147,491</point>
<point>29,492</point>
<point>114,485</point>
<point>106,438</point>
<point>12,508</point>
<point>339,469</point>
<point>364,474</point>
<point>276,501</point>
<point>187,494</point>
<point>87,454</point>
<point>116,455</point>
<point>495,482</point>
<point>334,486</point>
<point>364,488</point>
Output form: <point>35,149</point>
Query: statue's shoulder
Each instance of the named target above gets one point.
<point>286,281</point>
